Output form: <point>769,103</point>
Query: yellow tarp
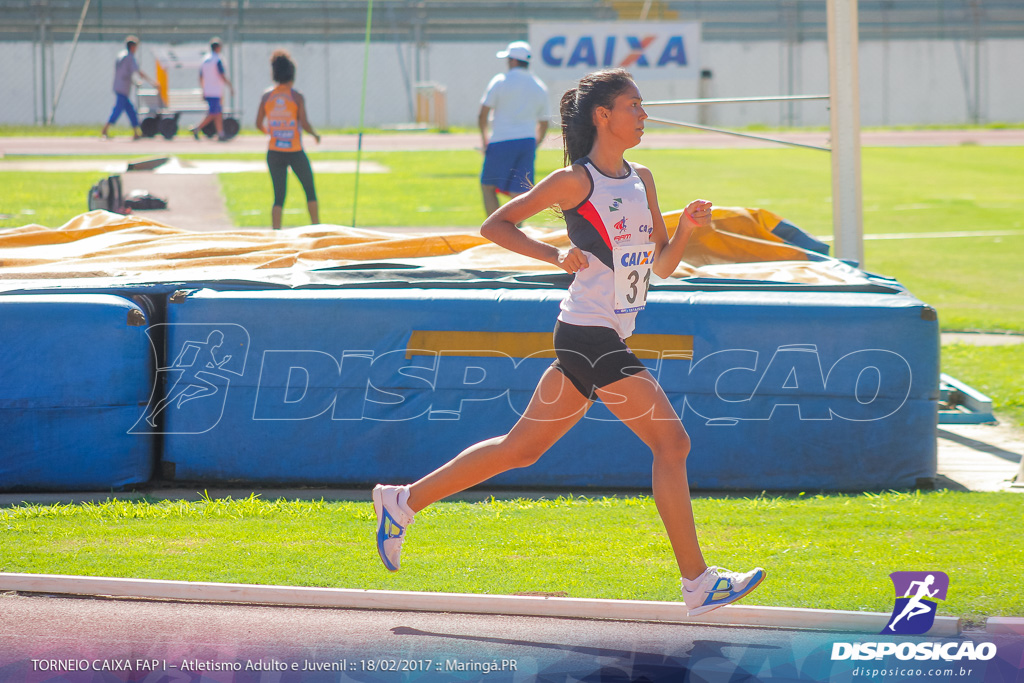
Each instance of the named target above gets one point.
<point>102,244</point>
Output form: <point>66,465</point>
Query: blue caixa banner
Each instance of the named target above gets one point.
<point>649,50</point>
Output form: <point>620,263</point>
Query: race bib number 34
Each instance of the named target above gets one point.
<point>632,276</point>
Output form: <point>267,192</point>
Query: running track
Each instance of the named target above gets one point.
<point>109,633</point>
<point>658,138</point>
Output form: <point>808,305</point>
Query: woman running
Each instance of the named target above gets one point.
<point>618,237</point>
<point>283,110</point>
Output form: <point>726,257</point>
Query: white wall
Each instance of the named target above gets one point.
<point>902,82</point>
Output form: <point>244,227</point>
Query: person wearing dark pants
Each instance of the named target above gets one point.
<point>125,68</point>
<point>282,116</point>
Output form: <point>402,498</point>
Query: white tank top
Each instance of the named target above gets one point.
<point>612,226</point>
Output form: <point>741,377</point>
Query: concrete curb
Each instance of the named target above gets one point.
<point>407,601</point>
<point>1005,625</point>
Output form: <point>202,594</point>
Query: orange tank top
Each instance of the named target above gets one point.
<point>282,114</point>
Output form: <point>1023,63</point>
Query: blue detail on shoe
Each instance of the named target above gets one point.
<point>386,530</point>
<point>724,585</point>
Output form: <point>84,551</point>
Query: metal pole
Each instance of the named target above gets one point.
<point>327,83</point>
<point>731,100</point>
<point>844,90</point>
<point>238,66</point>
<point>736,134</point>
<point>362,108</point>
<point>787,109</point>
<point>35,85</point>
<point>229,34</point>
<point>42,71</point>
<point>67,64</point>
<point>645,10</point>
<point>976,37</point>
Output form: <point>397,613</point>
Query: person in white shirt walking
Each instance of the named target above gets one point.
<point>519,102</point>
<point>213,78</point>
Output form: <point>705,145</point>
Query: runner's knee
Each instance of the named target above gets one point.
<point>671,445</point>
<point>522,451</point>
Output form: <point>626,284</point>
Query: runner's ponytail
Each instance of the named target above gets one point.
<point>598,89</point>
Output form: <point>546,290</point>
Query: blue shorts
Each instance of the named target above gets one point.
<point>508,165</point>
<point>214,103</point>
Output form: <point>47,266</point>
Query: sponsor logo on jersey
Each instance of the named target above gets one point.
<point>637,258</point>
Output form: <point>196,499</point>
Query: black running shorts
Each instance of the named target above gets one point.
<point>592,357</point>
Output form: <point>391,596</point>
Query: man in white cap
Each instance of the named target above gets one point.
<point>521,109</point>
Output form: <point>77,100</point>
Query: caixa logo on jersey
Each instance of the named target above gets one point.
<point>191,381</point>
<point>665,50</point>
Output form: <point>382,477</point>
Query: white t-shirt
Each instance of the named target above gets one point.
<point>518,100</point>
<point>211,70</point>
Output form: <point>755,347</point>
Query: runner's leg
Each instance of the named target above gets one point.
<point>642,405</point>
<point>278,167</point>
<point>304,172</point>
<point>119,106</point>
<point>490,195</point>
<point>555,407</point>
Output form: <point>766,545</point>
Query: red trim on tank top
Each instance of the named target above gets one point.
<point>590,213</point>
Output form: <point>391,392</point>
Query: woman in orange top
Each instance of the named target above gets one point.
<point>282,116</point>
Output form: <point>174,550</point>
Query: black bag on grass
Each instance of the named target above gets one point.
<point>106,195</point>
<point>142,200</point>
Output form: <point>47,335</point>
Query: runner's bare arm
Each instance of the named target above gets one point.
<point>564,188</point>
<point>260,113</point>
<point>669,252</point>
<point>481,122</point>
<point>300,104</point>
<point>542,130</point>
<point>147,78</point>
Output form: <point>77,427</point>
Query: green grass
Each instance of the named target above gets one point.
<point>422,189</point>
<point>10,131</point>
<point>49,199</point>
<point>972,282</point>
<point>996,371</point>
<point>583,547</point>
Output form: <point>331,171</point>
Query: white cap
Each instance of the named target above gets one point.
<point>519,49</point>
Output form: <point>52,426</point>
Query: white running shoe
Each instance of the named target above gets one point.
<point>717,587</point>
<point>392,520</point>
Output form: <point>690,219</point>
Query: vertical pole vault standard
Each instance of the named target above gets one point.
<point>67,64</point>
<point>844,98</point>
<point>362,108</point>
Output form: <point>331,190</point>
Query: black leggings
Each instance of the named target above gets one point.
<point>278,163</point>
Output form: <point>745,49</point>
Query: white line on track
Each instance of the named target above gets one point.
<point>408,601</point>
<point>936,235</point>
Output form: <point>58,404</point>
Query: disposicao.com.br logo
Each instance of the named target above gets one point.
<point>953,651</point>
<point>913,613</point>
